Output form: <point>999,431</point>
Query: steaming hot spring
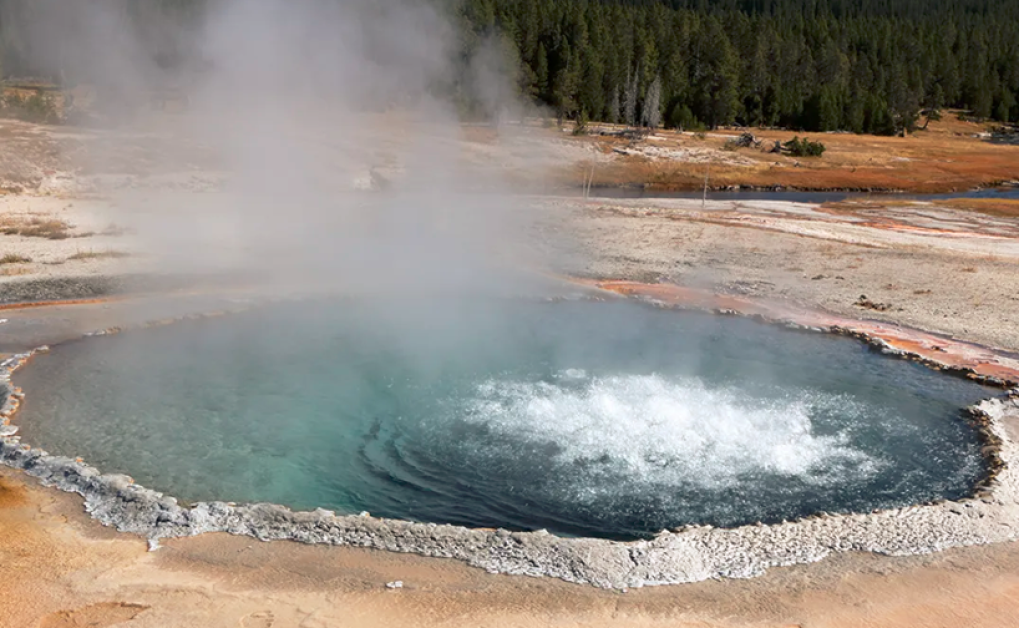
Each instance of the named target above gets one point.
<point>597,418</point>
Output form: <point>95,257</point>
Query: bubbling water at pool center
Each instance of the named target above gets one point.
<point>608,419</point>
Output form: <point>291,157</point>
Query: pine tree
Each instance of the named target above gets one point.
<point>862,65</point>
<point>614,111</point>
<point>541,82</point>
<point>830,110</point>
<point>716,77</point>
<point>564,84</point>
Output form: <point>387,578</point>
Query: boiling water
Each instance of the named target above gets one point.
<point>598,418</point>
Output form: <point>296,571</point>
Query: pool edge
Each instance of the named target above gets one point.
<point>688,555</point>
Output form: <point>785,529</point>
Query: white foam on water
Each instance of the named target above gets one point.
<point>649,429</point>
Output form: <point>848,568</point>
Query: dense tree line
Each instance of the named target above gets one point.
<point>875,66</point>
<point>870,66</point>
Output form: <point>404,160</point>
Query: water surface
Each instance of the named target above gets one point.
<point>608,419</point>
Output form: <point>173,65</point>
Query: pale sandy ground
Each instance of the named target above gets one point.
<point>90,232</point>
<point>963,283</point>
<point>60,569</point>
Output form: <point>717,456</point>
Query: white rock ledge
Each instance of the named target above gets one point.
<point>688,555</point>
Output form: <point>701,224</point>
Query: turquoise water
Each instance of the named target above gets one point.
<point>608,419</point>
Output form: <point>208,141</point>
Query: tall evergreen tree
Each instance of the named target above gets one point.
<point>862,65</point>
<point>715,79</point>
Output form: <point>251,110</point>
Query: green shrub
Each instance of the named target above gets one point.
<point>680,117</point>
<point>804,148</point>
<point>38,107</point>
<point>41,108</point>
<point>580,128</point>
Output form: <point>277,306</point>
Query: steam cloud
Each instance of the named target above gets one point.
<point>297,104</point>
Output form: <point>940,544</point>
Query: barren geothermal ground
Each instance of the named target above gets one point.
<point>944,267</point>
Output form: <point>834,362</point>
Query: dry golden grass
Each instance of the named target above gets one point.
<point>86,255</point>
<point>948,156</point>
<point>852,206</point>
<point>1006,208</point>
<point>14,258</point>
<point>35,227</point>
<point>113,229</point>
<point>12,271</point>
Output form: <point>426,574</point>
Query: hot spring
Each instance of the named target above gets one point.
<point>597,418</point>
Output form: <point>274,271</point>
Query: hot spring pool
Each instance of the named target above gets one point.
<point>608,419</point>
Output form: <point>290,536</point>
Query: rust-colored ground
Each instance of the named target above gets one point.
<point>940,351</point>
<point>1008,208</point>
<point>998,207</point>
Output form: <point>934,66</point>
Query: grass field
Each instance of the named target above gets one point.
<point>951,155</point>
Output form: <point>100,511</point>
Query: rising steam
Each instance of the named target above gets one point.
<point>299,106</point>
